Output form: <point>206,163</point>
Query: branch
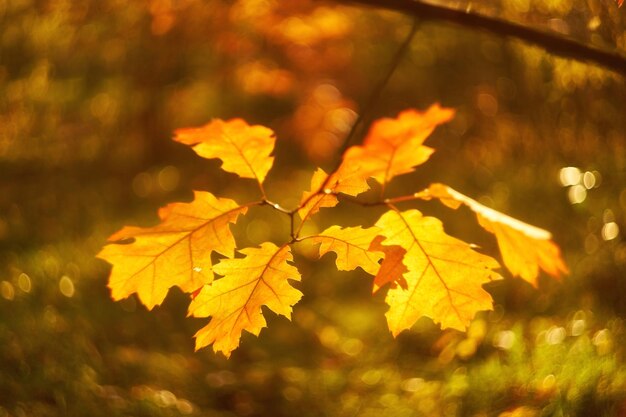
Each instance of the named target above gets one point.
<point>374,96</point>
<point>552,43</point>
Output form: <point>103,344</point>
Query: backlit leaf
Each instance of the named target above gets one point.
<point>234,302</point>
<point>312,202</point>
<point>243,149</point>
<point>392,268</point>
<point>444,278</point>
<point>176,252</point>
<point>347,180</point>
<point>395,146</point>
<point>525,249</point>
<point>352,246</point>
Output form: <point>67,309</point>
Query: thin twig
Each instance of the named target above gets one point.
<point>376,92</point>
<point>373,98</point>
<point>382,202</point>
<point>276,206</point>
<point>553,43</point>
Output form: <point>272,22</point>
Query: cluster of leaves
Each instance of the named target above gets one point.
<point>429,273</point>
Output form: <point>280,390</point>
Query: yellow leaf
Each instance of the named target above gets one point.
<point>346,180</point>
<point>445,276</point>
<point>177,251</point>
<point>244,150</point>
<point>352,246</point>
<point>234,301</point>
<point>525,249</point>
<point>312,202</point>
<point>392,268</point>
<point>395,146</point>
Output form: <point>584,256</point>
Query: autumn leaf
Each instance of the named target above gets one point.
<point>313,200</point>
<point>444,278</point>
<point>352,246</point>
<point>234,302</point>
<point>525,249</point>
<point>176,252</point>
<point>395,146</point>
<point>243,149</point>
<point>392,268</point>
<point>347,180</point>
<point>427,272</point>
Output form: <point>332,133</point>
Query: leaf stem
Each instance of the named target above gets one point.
<point>383,202</point>
<point>290,213</point>
<point>276,206</point>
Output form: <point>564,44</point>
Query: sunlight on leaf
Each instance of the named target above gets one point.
<point>176,252</point>
<point>311,202</point>
<point>234,302</point>
<point>347,180</point>
<point>352,246</point>
<point>392,268</point>
<point>525,249</point>
<point>243,149</point>
<point>444,278</point>
<point>395,146</point>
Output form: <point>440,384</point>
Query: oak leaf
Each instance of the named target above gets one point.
<point>392,268</point>
<point>347,180</point>
<point>234,302</point>
<point>352,246</point>
<point>525,249</point>
<point>444,278</point>
<point>243,149</point>
<point>312,201</point>
<point>395,146</point>
<point>175,252</point>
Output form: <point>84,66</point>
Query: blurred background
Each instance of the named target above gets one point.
<point>90,93</point>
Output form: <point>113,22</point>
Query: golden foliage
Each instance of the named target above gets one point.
<point>395,146</point>
<point>352,246</point>
<point>525,249</point>
<point>444,277</point>
<point>243,149</point>
<point>176,252</point>
<point>428,272</point>
<point>392,268</point>
<point>234,301</point>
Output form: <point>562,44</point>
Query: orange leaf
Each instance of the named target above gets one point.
<point>234,302</point>
<point>311,202</point>
<point>395,146</point>
<point>392,269</point>
<point>244,150</point>
<point>351,244</point>
<point>445,276</point>
<point>525,249</point>
<point>177,251</point>
<point>346,180</point>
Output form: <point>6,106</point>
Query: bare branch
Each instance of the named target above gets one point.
<point>553,43</point>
